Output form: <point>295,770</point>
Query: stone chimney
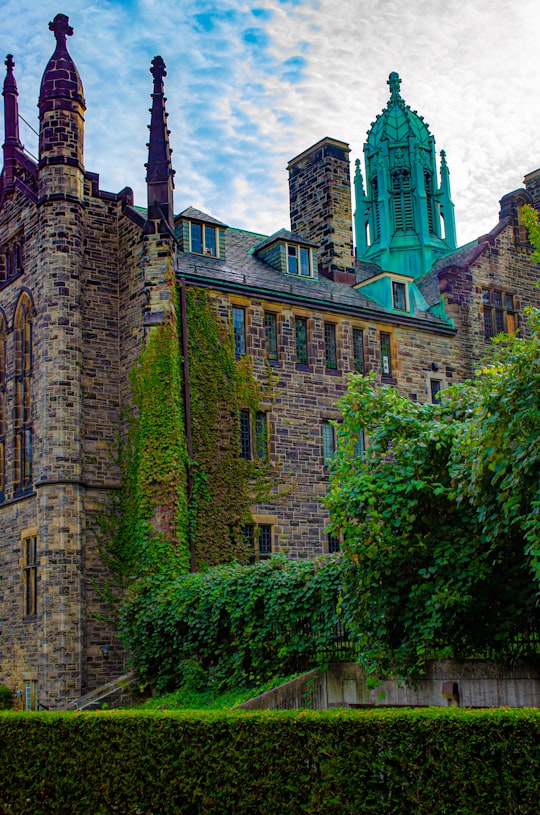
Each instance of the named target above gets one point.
<point>320,205</point>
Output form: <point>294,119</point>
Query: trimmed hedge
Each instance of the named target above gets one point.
<point>426,762</point>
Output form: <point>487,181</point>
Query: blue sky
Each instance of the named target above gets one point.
<point>252,84</point>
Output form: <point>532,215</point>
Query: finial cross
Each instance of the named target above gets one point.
<point>158,68</point>
<point>61,27</point>
<point>394,82</point>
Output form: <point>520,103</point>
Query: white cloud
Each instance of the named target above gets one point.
<point>250,85</point>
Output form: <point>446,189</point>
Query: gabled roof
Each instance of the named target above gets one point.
<point>284,235</point>
<point>196,215</point>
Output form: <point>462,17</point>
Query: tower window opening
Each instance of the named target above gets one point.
<point>402,197</point>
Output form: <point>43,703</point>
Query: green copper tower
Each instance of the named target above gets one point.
<point>404,217</point>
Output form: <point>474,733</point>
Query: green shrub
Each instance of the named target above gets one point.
<point>6,699</point>
<point>426,762</point>
<point>234,625</point>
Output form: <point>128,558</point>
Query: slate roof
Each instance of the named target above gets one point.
<point>284,235</point>
<point>461,258</point>
<point>244,272</point>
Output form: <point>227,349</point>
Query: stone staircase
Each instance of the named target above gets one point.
<point>111,692</point>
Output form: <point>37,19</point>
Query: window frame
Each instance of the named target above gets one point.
<point>330,346</point>
<point>299,258</point>
<point>502,319</point>
<point>22,410</point>
<point>252,537</point>
<point>253,435</point>
<point>239,331</point>
<point>387,374</point>
<point>207,248</point>
<point>270,322</point>
<point>359,360</point>
<point>395,299</point>
<point>304,360</point>
<point>30,574</point>
<point>328,441</point>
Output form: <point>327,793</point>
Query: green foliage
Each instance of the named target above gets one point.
<point>6,698</point>
<point>146,530</point>
<point>223,482</point>
<point>209,698</point>
<point>427,762</point>
<point>440,517</point>
<point>233,625</point>
<point>530,219</point>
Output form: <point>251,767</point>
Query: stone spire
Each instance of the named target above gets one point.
<point>159,172</point>
<point>61,116</point>
<point>12,143</point>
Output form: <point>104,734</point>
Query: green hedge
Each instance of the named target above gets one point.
<point>234,625</point>
<point>426,762</point>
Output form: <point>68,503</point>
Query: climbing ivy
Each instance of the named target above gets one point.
<point>224,484</point>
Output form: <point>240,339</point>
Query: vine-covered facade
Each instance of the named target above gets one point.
<point>185,373</point>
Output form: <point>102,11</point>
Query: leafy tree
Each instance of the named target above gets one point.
<point>440,517</point>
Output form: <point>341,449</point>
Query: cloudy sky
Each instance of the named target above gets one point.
<point>252,84</point>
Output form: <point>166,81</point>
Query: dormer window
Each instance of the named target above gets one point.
<point>299,260</point>
<point>203,239</point>
<point>399,296</point>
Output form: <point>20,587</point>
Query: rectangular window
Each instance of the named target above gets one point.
<point>239,326</point>
<point>333,544</point>
<point>358,351</point>
<point>30,569</point>
<point>435,386</point>
<point>386,355</point>
<point>399,296</point>
<point>245,435</point>
<point>301,340</point>
<point>258,540</point>
<point>499,313</point>
<point>261,436</point>
<point>360,445</point>
<point>265,540</point>
<point>330,349</point>
<point>270,329</point>
<point>203,239</point>
<point>328,442</point>
<point>299,260</point>
<point>254,435</point>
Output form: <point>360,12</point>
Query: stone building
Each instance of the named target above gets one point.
<point>84,276</point>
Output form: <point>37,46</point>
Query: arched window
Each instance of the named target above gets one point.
<point>2,407</point>
<point>402,195</point>
<point>23,395</point>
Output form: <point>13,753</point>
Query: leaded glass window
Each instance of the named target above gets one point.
<point>30,569</point>
<point>328,441</point>
<point>270,329</point>
<point>265,540</point>
<point>23,399</point>
<point>261,435</point>
<point>239,327</point>
<point>358,351</point>
<point>300,331</point>
<point>245,435</point>
<point>333,544</point>
<point>330,349</point>
<point>499,313</point>
<point>386,354</point>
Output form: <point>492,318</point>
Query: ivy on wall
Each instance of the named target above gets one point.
<point>223,483</point>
